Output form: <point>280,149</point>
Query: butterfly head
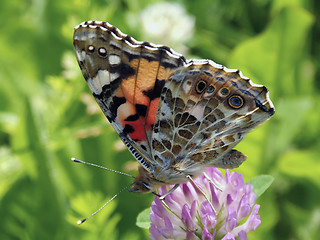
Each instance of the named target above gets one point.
<point>144,182</point>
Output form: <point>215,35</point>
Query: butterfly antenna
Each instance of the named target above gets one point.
<point>94,165</point>
<point>116,195</point>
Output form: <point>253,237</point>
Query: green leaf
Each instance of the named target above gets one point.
<point>275,57</point>
<point>102,224</point>
<point>260,184</point>
<point>301,164</point>
<point>143,220</point>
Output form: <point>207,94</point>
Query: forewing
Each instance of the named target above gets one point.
<point>126,78</point>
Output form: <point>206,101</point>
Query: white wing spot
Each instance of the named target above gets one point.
<point>101,79</point>
<point>91,48</point>
<point>198,112</point>
<point>187,86</point>
<point>114,59</point>
<point>114,76</point>
<point>93,87</point>
<point>81,55</point>
<point>102,51</point>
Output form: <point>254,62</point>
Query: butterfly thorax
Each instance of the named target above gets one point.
<point>146,182</point>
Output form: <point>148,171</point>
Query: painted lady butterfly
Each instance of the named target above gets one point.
<point>176,116</point>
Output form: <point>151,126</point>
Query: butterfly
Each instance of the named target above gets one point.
<point>176,116</point>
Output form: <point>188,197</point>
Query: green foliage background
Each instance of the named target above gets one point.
<point>47,116</point>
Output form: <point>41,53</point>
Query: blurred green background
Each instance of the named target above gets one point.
<point>47,114</point>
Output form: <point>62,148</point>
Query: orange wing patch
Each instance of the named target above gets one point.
<point>146,78</point>
<point>128,84</point>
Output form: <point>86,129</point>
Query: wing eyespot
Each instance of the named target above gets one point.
<point>201,85</point>
<point>91,48</point>
<point>102,52</point>
<point>236,101</point>
<point>210,89</point>
<point>224,92</point>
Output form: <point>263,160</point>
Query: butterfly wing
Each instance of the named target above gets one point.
<point>126,78</point>
<point>205,110</point>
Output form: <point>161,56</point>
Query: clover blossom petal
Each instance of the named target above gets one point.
<point>213,207</point>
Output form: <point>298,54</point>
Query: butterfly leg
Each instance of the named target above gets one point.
<point>170,191</point>
<point>206,197</point>
<point>167,207</point>
<point>156,194</point>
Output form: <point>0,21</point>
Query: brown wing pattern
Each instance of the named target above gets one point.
<point>213,109</point>
<point>176,116</point>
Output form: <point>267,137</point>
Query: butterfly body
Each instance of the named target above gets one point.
<point>176,116</point>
